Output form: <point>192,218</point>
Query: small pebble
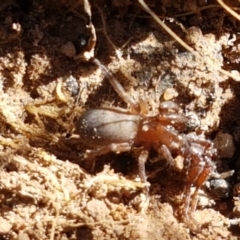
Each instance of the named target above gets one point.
<point>224,143</point>
<point>68,49</point>
<point>220,188</point>
<point>169,94</point>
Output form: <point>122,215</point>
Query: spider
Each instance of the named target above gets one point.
<point>120,130</point>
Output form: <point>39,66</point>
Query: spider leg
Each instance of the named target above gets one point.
<point>141,165</point>
<point>201,179</point>
<point>114,147</point>
<point>165,152</point>
<point>118,87</point>
<point>141,155</point>
<point>200,168</point>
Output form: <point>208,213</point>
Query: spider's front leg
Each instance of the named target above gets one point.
<point>200,167</point>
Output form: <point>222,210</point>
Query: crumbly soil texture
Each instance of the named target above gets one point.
<point>48,190</point>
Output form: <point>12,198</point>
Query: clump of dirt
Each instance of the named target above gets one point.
<point>47,189</point>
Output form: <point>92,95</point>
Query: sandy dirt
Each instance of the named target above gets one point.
<point>47,189</point>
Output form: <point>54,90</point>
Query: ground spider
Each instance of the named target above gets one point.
<point>119,130</point>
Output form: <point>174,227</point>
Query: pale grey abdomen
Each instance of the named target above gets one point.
<point>104,126</point>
